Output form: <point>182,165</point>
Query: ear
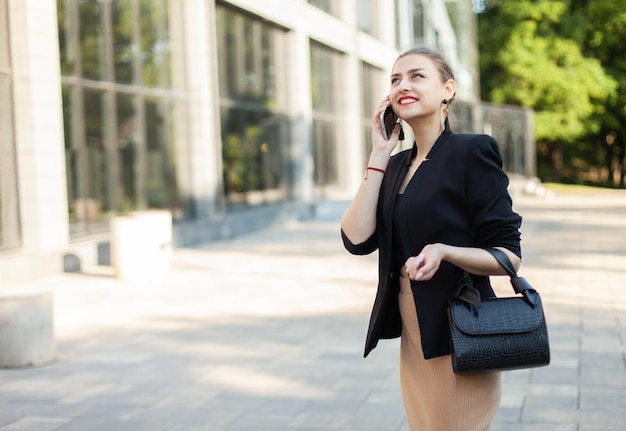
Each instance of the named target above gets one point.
<point>449,89</point>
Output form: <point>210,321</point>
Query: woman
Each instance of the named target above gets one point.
<point>430,211</point>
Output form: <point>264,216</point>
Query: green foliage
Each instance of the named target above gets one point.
<point>547,72</point>
<point>565,60</point>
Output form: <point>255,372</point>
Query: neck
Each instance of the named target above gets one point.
<point>426,131</point>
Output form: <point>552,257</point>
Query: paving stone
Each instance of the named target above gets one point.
<point>34,423</point>
<point>260,333</point>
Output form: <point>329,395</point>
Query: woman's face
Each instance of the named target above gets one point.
<point>416,87</point>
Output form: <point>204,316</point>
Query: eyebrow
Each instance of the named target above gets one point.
<point>408,71</point>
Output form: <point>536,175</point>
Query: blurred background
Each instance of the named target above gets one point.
<point>231,116</point>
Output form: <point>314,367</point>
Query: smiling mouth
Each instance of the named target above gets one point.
<point>407,100</point>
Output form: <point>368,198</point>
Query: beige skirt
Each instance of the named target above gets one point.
<point>435,398</point>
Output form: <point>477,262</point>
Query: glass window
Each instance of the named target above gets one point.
<point>86,156</point>
<point>128,153</point>
<point>329,6</point>
<point>418,22</point>
<point>119,143</point>
<point>323,78</point>
<point>92,42</point>
<point>409,24</point>
<point>154,43</point>
<point>9,220</point>
<point>227,31</point>
<point>324,70</point>
<point>72,148</point>
<point>124,51</point>
<point>161,164</point>
<point>366,16</point>
<point>96,195</point>
<point>254,122</point>
<point>67,38</point>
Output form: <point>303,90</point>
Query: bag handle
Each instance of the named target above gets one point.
<point>520,285</point>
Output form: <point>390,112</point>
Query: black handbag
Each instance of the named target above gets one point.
<point>497,333</point>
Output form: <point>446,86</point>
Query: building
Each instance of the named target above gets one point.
<point>229,114</point>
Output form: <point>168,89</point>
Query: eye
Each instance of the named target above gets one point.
<point>395,80</point>
<point>417,75</point>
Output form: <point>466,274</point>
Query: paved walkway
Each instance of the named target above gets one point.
<point>266,332</point>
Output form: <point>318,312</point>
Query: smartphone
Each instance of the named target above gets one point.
<point>388,120</point>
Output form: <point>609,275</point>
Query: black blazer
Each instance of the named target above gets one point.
<point>458,196</point>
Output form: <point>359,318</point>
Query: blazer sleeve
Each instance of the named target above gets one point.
<point>490,204</point>
<point>366,247</point>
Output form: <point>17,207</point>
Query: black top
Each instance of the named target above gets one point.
<point>458,196</point>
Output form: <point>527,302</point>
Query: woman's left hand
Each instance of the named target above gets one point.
<point>423,266</point>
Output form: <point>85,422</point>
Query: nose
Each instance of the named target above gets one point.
<point>404,85</point>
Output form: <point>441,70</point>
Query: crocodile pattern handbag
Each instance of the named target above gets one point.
<point>498,333</point>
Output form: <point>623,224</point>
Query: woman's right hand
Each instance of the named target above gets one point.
<point>382,148</point>
<point>359,221</point>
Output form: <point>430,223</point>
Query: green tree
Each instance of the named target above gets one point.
<point>602,36</point>
<point>531,57</point>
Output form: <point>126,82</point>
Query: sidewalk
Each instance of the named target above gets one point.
<point>266,333</point>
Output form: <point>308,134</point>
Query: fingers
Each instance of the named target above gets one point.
<point>378,140</point>
<point>422,267</point>
<point>396,130</point>
<point>378,111</point>
<point>415,267</point>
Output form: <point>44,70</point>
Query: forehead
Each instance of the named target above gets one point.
<point>414,61</point>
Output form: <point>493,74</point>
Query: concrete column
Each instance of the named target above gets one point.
<point>203,107</point>
<point>38,124</point>
<point>299,59</point>
<point>349,131</point>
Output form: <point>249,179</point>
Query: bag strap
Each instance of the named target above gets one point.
<point>504,261</point>
<point>466,292</point>
<point>520,285</point>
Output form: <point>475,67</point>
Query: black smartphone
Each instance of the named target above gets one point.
<point>388,120</point>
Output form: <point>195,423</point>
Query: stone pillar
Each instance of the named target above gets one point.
<point>26,328</point>
<point>350,159</point>
<point>299,59</point>
<point>38,120</point>
<point>202,110</point>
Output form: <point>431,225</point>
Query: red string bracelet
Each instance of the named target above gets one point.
<point>371,168</point>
